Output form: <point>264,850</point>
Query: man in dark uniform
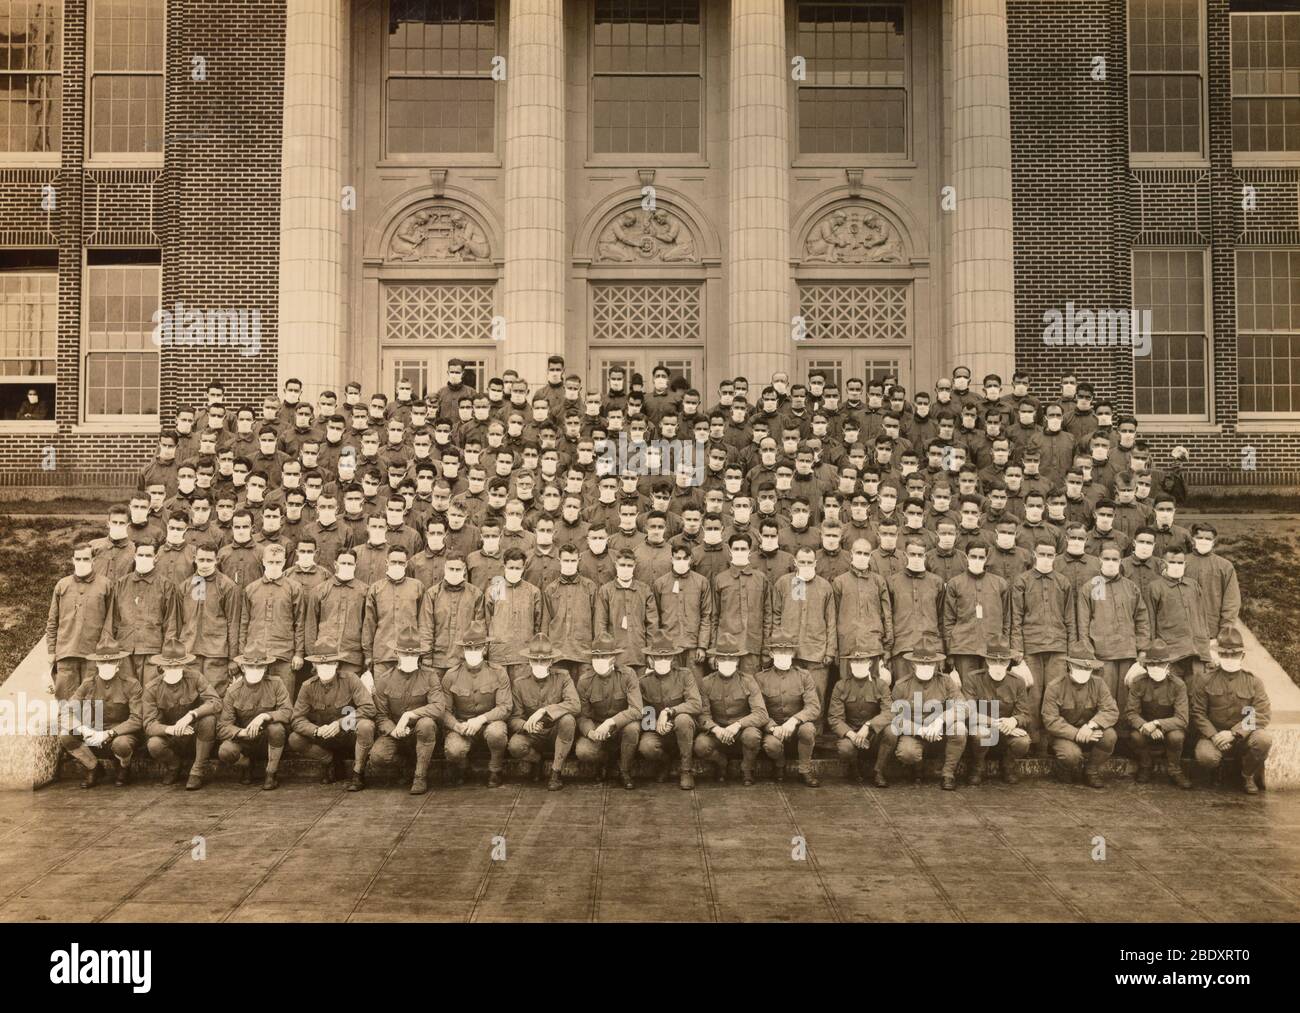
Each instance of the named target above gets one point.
<point>927,710</point>
<point>333,715</point>
<point>793,703</point>
<point>859,713</point>
<point>1156,711</point>
<point>479,702</point>
<point>180,711</point>
<point>408,703</point>
<point>733,714</point>
<point>89,732</point>
<point>1080,715</point>
<point>610,721</point>
<point>671,697</point>
<point>546,708</point>
<point>998,721</point>
<point>254,719</point>
<point>1231,709</point>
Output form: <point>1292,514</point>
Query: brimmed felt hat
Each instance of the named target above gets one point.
<point>327,652</point>
<point>172,655</point>
<point>997,649</point>
<point>408,643</point>
<point>107,649</point>
<point>605,646</point>
<point>254,658</point>
<point>727,646</point>
<point>660,645</point>
<point>928,652</point>
<point>1230,641</point>
<point>540,649</point>
<point>475,635</point>
<point>781,642</point>
<point>1084,661</point>
<point>1158,654</point>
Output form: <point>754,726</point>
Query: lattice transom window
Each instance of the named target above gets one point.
<point>855,312</point>
<point>457,313</point>
<point>647,312</point>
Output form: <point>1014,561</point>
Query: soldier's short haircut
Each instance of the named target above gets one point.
<point>272,549</point>
<point>598,528</point>
<point>740,537</point>
<point>306,540</point>
<point>626,556</point>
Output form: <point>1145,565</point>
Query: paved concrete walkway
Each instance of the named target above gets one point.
<point>598,853</point>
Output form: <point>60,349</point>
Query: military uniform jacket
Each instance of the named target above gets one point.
<point>864,614</point>
<point>481,692</point>
<point>975,610</point>
<point>329,542</point>
<point>1178,618</point>
<point>628,614</point>
<point>397,692</point>
<point>615,695</point>
<point>78,609</point>
<point>144,612</point>
<point>556,695</point>
<point>1010,695</point>
<point>917,601</point>
<point>121,698</point>
<point>322,703</point>
<point>789,694</point>
<point>1165,703</point>
<point>241,563</point>
<point>570,605</point>
<point>244,702</point>
<point>174,563</point>
<point>1042,613</point>
<point>732,699</point>
<point>676,692</point>
<point>1067,706</point>
<point>446,611</point>
<point>163,705</point>
<point>1112,617</point>
<point>207,612</point>
<point>918,702</point>
<point>334,612</point>
<point>112,559</point>
<point>685,604</point>
<point>855,702</point>
<point>392,607</point>
<point>514,616</point>
<point>1220,593</point>
<point>1221,699</point>
<point>270,618</point>
<point>805,610</point>
<point>741,608</point>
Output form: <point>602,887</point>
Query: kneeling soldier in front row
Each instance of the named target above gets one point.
<point>1156,709</point>
<point>998,722</point>
<point>408,703</point>
<point>610,721</point>
<point>115,732</point>
<point>859,713</point>
<point>733,715</point>
<point>669,689</point>
<point>180,716</point>
<point>793,708</point>
<point>927,709</point>
<point>254,719</point>
<point>333,717</point>
<point>545,712</point>
<point>1080,716</point>
<point>1231,709</point>
<point>479,702</point>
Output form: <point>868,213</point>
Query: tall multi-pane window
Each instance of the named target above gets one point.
<point>1268,332</point>
<point>1165,77</point>
<point>1172,380</point>
<point>123,292</point>
<point>31,64</point>
<point>853,99</point>
<point>1266,83</point>
<point>126,59</point>
<point>647,79</point>
<point>440,96</point>
<point>29,331</point>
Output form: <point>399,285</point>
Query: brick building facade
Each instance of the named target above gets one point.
<point>724,187</point>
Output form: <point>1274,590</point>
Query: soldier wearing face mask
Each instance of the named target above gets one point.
<point>741,606</point>
<point>544,714</point>
<point>408,705</point>
<point>1056,446</point>
<point>1141,565</point>
<point>515,613</point>
<point>270,619</point>
<point>916,600</point>
<point>208,607</point>
<point>672,695</point>
<point>927,711</point>
<point>859,712</point>
<point>1168,534</point>
<point>733,715</point>
<point>113,555</point>
<point>103,718</point>
<point>333,717</point>
<point>1043,626</point>
<point>334,615</point>
<point>80,606</point>
<point>1156,712</point>
<point>1079,716</point>
<point>597,563</point>
<point>802,607</point>
<point>684,601</point>
<point>1076,564</point>
<point>1215,576</point>
<point>448,608</point>
<point>1231,712</point>
<point>392,607</point>
<point>888,559</point>
<point>794,706</point>
<point>255,715</point>
<point>1113,622</point>
<point>144,613</point>
<point>609,722</point>
<point>1178,618</point>
<point>999,722</point>
<point>180,711</point>
<point>1007,558</point>
<point>976,612</point>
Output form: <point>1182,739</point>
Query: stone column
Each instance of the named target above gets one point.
<point>758,210</point>
<point>533,297</point>
<point>983,303</point>
<point>311,182</point>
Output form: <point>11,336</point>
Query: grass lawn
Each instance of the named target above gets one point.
<point>35,553</point>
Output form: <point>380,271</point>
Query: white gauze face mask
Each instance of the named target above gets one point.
<point>326,671</point>
<point>997,671</point>
<point>924,672</point>
<point>106,669</point>
<point>473,657</point>
<point>1080,675</point>
<point>1158,673</point>
<point>782,661</point>
<point>728,666</point>
<point>860,669</point>
<point>1231,664</point>
<point>253,676</point>
<point>662,665</point>
<point>541,669</point>
<point>408,662</point>
<point>602,665</point>
<point>172,676</point>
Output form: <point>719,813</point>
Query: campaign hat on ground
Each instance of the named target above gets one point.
<point>172,655</point>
